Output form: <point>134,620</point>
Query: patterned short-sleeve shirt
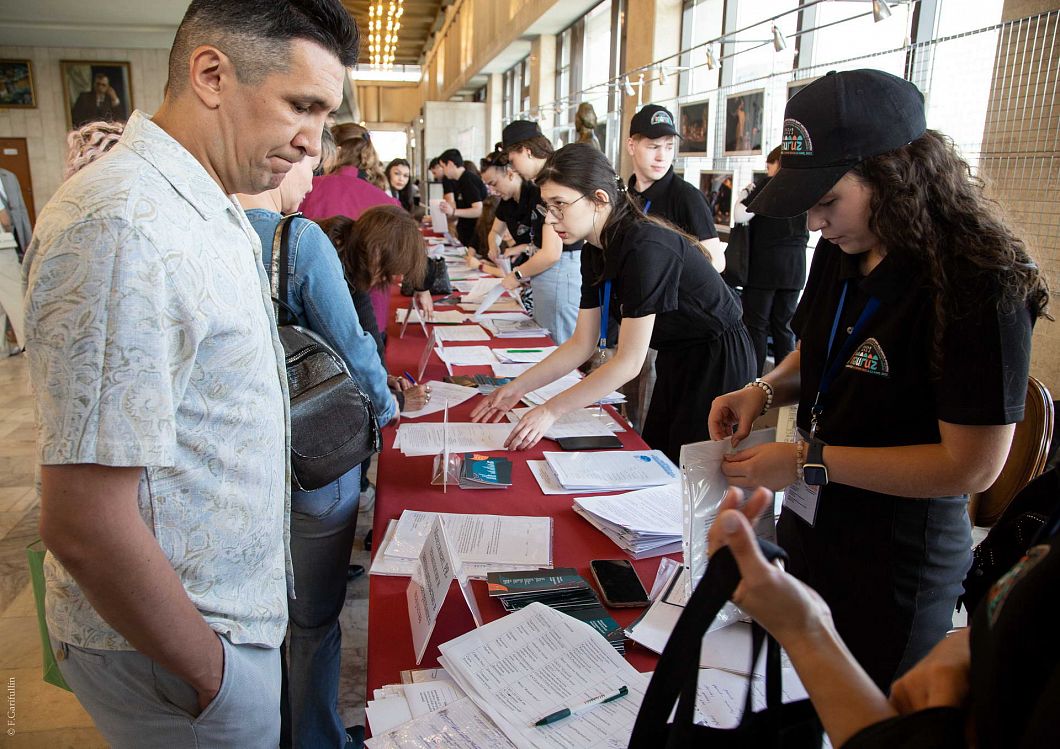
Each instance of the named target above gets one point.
<point>151,342</point>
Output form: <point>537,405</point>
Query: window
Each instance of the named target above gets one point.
<point>700,22</point>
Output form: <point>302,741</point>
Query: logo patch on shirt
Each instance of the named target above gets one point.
<point>662,118</point>
<point>796,139</point>
<point>870,359</point>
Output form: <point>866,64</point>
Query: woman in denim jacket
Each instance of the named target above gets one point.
<point>323,521</point>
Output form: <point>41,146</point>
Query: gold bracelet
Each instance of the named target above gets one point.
<point>800,458</point>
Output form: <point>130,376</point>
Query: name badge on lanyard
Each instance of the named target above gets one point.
<point>800,497</point>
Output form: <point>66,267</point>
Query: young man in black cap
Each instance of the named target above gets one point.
<point>469,193</point>
<point>652,143</point>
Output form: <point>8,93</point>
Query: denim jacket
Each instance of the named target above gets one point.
<point>319,297</point>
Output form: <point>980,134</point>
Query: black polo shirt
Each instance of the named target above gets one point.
<point>777,258</point>
<point>885,394</point>
<point>519,215</point>
<point>468,189</point>
<point>448,186</point>
<point>655,271</point>
<point>677,201</point>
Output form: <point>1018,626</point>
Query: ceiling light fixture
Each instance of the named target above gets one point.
<point>779,42</point>
<point>712,61</point>
<point>629,87</point>
<point>384,23</point>
<point>880,11</point>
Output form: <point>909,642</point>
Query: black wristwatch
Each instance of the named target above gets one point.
<point>519,275</point>
<point>814,471</point>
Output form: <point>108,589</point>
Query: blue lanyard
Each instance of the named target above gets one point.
<point>647,207</point>
<point>605,306</point>
<point>834,364</point>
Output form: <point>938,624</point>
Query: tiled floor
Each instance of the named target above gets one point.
<point>46,717</point>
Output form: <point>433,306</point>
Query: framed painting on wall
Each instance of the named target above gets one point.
<point>692,119</point>
<point>717,189</point>
<point>795,87</point>
<point>16,85</point>
<point>743,123</point>
<point>96,90</point>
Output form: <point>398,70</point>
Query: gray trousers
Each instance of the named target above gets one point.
<point>134,702</point>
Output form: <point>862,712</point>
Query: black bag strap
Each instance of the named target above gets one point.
<point>280,268</point>
<point>676,672</point>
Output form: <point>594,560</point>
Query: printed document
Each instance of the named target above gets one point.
<point>578,423</point>
<point>442,393</point>
<point>464,437</point>
<point>614,469</point>
<point>500,539</point>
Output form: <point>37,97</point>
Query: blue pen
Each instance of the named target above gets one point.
<point>583,707</point>
<point>410,377</point>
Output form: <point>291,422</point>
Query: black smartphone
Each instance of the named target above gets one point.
<point>619,583</point>
<point>603,442</point>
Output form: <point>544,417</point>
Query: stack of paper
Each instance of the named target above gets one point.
<point>484,543</point>
<point>429,439</point>
<point>440,317</point>
<point>644,523</point>
<point>612,470</point>
<point>523,355</point>
<point>538,661</point>
<point>554,388</point>
<point>546,479</point>
<point>395,704</point>
<point>579,423</point>
<point>524,328</point>
<point>461,333</point>
<point>467,356</point>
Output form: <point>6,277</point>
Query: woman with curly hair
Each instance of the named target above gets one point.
<point>911,370</point>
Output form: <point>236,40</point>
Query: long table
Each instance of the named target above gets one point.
<point>404,483</point>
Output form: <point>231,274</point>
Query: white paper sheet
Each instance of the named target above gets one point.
<point>467,356</point>
<point>492,295</point>
<point>614,469</point>
<point>519,355</point>
<point>427,589</point>
<point>536,661</point>
<point>387,714</point>
<point>510,370</point>
<point>548,482</point>
<point>574,424</point>
<point>426,439</point>
<point>441,317</point>
<point>494,539</point>
<point>442,393</point>
<point>554,388</point>
<point>481,288</point>
<point>439,222</point>
<point>427,696</point>
<point>462,333</point>
<point>720,695</point>
<point>391,566</point>
<point>459,725</point>
<point>599,415</point>
<point>649,511</point>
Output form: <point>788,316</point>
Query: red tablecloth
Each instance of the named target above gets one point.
<point>404,483</point>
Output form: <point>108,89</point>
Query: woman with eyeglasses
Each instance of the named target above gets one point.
<point>665,291</point>
<point>553,270</point>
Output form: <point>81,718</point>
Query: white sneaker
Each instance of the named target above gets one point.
<point>367,501</point>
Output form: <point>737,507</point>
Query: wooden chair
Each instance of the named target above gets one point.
<point>1026,457</point>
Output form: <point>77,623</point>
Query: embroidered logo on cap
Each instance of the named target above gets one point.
<point>796,139</point>
<point>662,118</point>
<point>870,359</point>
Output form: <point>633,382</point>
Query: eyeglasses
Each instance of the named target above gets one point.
<point>555,210</point>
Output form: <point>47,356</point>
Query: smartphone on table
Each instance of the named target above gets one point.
<point>619,583</point>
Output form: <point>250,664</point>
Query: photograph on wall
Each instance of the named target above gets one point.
<point>743,123</point>
<point>795,87</point>
<point>693,119</point>
<point>16,84</point>
<point>717,189</point>
<point>95,90</point>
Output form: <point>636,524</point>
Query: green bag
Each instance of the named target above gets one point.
<point>35,554</point>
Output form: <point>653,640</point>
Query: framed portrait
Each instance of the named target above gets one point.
<point>717,189</point>
<point>743,123</point>
<point>16,85</point>
<point>795,87</point>
<point>96,90</point>
<point>693,119</point>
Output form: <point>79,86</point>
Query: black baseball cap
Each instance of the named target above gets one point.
<point>519,131</point>
<point>832,125</point>
<point>653,121</point>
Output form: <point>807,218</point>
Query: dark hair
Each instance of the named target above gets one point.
<point>484,225</point>
<point>497,159</point>
<point>384,242</point>
<point>583,168</point>
<point>539,147</point>
<point>405,193</point>
<point>774,156</point>
<point>355,149</point>
<point>928,209</point>
<point>434,162</point>
<point>256,34</point>
<point>452,156</point>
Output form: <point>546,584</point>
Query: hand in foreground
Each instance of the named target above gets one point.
<point>941,678</point>
<point>446,207</point>
<point>416,397</point>
<point>771,465</point>
<point>737,409</point>
<point>510,282</point>
<point>426,304</point>
<point>496,404</point>
<point>530,429</point>
<point>207,692</point>
<point>397,384</point>
<point>780,603</point>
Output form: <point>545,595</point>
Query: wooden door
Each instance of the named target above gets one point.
<point>15,158</point>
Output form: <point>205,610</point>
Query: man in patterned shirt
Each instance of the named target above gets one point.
<point>160,385</point>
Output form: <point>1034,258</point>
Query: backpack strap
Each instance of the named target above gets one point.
<point>280,268</point>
